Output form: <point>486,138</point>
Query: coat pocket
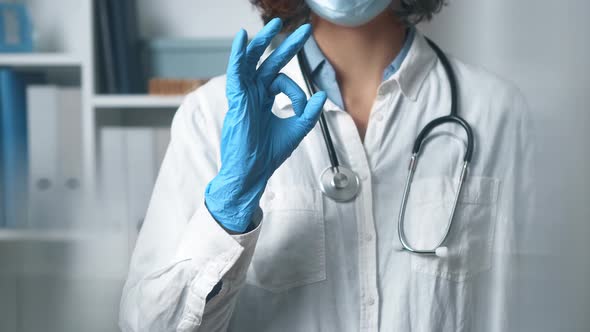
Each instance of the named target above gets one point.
<point>291,248</point>
<point>470,238</point>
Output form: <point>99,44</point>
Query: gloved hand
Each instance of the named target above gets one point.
<point>255,142</point>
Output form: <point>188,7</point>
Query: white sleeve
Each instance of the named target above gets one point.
<point>182,252</point>
<point>516,217</point>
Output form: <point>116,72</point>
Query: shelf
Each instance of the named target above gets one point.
<point>32,235</point>
<point>38,60</point>
<point>136,101</point>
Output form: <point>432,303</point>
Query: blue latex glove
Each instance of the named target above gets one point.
<point>255,142</point>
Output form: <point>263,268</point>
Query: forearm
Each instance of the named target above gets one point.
<point>182,252</point>
<point>174,297</point>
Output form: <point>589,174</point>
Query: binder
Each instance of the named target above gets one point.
<point>118,47</point>
<point>2,168</point>
<point>69,171</point>
<point>162,140</point>
<point>125,37</point>
<point>141,176</point>
<point>14,147</point>
<point>134,65</point>
<point>106,55</point>
<point>43,142</point>
<point>113,178</point>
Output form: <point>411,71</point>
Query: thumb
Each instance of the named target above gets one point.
<point>293,129</point>
<point>313,110</point>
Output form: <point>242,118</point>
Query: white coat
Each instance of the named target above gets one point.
<point>313,264</point>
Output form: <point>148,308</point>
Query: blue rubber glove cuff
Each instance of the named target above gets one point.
<point>229,206</point>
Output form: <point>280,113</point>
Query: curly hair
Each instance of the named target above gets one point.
<point>296,12</point>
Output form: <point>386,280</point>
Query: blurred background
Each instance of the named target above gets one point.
<point>88,90</point>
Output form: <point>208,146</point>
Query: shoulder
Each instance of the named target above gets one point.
<point>499,114</point>
<point>209,98</point>
<point>205,106</point>
<point>487,93</point>
<point>200,116</point>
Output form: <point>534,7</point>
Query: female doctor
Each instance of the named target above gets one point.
<point>238,234</point>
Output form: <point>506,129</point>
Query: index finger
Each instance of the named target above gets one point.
<point>283,54</point>
<point>261,41</point>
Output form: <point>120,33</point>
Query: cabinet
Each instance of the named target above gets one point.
<point>70,279</point>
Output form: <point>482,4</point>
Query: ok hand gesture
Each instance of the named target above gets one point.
<point>255,142</point>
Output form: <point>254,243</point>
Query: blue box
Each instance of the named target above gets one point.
<point>15,28</point>
<point>187,58</point>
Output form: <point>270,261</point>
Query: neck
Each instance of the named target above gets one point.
<point>359,56</point>
<point>360,53</point>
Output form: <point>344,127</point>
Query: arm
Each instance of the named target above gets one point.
<point>516,215</point>
<point>182,252</point>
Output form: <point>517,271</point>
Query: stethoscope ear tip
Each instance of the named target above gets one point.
<point>442,252</point>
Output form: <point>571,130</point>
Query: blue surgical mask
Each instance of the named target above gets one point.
<point>350,13</point>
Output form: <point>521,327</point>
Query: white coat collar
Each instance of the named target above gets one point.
<point>410,77</point>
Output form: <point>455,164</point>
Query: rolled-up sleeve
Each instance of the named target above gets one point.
<point>182,252</point>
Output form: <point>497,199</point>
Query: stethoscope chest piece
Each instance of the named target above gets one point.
<point>339,183</point>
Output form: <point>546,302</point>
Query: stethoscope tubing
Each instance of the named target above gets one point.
<point>442,120</point>
<point>450,75</point>
<point>334,162</point>
<point>452,117</point>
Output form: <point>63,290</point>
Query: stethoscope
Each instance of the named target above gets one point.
<point>341,184</point>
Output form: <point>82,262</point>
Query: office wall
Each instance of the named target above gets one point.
<point>196,18</point>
